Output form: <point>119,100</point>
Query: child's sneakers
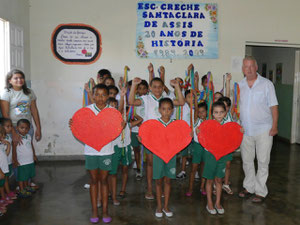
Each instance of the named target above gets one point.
<point>181,175</point>
<point>24,194</point>
<point>12,195</point>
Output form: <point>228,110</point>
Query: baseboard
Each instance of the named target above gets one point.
<point>60,157</point>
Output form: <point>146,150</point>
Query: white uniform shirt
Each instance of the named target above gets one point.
<point>126,138</point>
<point>107,149</point>
<point>196,125</point>
<point>151,105</point>
<point>140,111</point>
<point>9,157</point>
<point>228,118</point>
<point>19,104</point>
<point>24,151</point>
<point>3,159</point>
<point>186,114</point>
<point>255,113</point>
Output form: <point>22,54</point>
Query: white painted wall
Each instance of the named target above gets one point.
<point>59,86</point>
<point>273,55</point>
<point>17,12</point>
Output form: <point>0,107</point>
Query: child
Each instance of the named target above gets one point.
<point>7,125</point>
<point>24,158</point>
<point>113,91</point>
<point>4,204</point>
<point>186,116</point>
<point>102,75</point>
<point>109,81</point>
<point>4,148</point>
<point>214,171</point>
<point>228,158</point>
<point>198,150</point>
<point>164,172</point>
<point>218,95</point>
<point>142,90</point>
<point>151,105</point>
<point>99,163</point>
<point>122,154</point>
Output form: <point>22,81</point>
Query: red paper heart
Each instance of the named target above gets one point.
<point>165,142</point>
<point>97,131</point>
<point>220,140</point>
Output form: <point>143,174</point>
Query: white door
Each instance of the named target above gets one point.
<point>296,102</point>
<point>16,47</point>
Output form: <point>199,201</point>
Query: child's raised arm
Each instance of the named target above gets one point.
<point>228,78</point>
<point>121,102</point>
<point>33,150</point>
<point>151,72</point>
<point>195,104</point>
<point>132,100</point>
<point>180,101</point>
<point>197,82</point>
<point>14,155</point>
<point>162,77</point>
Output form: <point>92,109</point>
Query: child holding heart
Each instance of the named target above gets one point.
<point>151,105</point>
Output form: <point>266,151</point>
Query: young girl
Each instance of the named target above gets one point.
<point>4,204</point>
<point>150,103</point>
<point>164,172</point>
<point>24,158</point>
<point>7,125</point>
<point>4,148</point>
<point>198,151</point>
<point>214,171</point>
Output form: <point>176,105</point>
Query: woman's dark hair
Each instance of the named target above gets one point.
<point>9,76</point>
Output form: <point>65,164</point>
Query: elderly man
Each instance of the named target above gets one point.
<point>259,117</point>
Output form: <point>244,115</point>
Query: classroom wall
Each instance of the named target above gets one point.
<point>59,86</point>
<point>17,12</point>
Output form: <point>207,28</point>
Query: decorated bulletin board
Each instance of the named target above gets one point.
<point>76,43</point>
<point>176,30</point>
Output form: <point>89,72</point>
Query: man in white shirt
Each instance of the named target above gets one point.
<point>259,117</point>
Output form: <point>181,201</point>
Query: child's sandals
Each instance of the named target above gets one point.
<point>122,194</point>
<point>227,189</point>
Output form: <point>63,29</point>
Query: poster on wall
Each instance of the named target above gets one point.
<point>76,43</point>
<point>176,30</point>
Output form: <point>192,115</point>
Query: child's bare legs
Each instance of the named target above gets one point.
<point>158,187</point>
<point>137,157</point>
<point>149,175</point>
<point>21,185</point>
<point>124,179</point>
<point>192,177</point>
<point>218,182</point>
<point>202,178</point>
<point>94,175</point>
<point>183,165</point>
<point>104,192</point>
<point>227,173</point>
<point>99,194</point>
<point>113,183</point>
<point>167,191</point>
<point>2,192</point>
<point>208,187</point>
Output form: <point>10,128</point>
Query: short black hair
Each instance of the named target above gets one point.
<point>202,105</point>
<point>110,87</point>
<point>226,100</point>
<point>129,83</point>
<point>101,86</point>
<point>111,99</point>
<point>109,78</point>
<point>203,78</point>
<point>145,83</point>
<point>4,120</point>
<point>187,92</point>
<point>218,104</point>
<point>156,79</point>
<point>166,100</point>
<point>23,121</point>
<point>103,72</point>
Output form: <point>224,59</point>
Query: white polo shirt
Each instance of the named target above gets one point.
<point>255,103</point>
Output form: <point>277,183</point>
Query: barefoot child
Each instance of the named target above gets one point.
<point>151,105</point>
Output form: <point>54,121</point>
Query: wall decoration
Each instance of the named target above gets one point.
<point>176,30</point>
<point>76,43</point>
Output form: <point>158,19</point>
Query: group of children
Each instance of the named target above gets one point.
<point>18,159</point>
<point>155,101</point>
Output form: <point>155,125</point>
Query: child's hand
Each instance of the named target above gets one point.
<point>70,123</point>
<point>123,124</point>
<point>2,175</point>
<point>16,163</point>
<point>194,92</point>
<point>228,77</point>
<point>87,87</point>
<point>5,142</point>
<point>191,66</point>
<point>136,81</point>
<point>100,79</point>
<point>197,130</point>
<point>150,68</point>
<point>174,83</point>
<point>123,91</point>
<point>139,138</point>
<point>121,83</point>
<point>35,159</point>
<point>243,130</point>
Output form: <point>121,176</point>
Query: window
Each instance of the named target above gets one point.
<point>4,51</point>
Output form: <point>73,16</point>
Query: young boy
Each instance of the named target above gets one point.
<point>151,105</point>
<point>164,172</point>
<point>24,157</point>
<point>229,157</point>
<point>142,89</point>
<point>113,91</point>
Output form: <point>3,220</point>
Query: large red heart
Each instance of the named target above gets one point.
<point>97,130</point>
<point>165,142</point>
<point>220,140</point>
